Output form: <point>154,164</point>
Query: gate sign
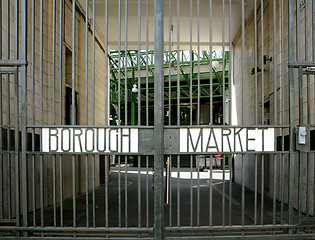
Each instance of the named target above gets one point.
<point>227,140</point>
<point>90,140</point>
<point>186,140</point>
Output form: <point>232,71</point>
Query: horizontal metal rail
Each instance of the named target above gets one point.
<point>12,62</point>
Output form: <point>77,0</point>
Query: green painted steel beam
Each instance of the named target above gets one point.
<point>131,61</point>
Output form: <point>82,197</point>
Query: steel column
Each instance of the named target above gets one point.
<point>158,117</point>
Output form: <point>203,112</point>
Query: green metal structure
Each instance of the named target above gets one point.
<point>179,66</point>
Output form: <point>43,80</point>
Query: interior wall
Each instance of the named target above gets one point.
<point>269,101</point>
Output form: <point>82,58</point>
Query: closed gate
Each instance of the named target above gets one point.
<point>128,119</point>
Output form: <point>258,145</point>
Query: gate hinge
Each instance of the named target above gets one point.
<point>303,138</point>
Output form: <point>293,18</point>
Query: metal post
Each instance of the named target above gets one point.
<point>168,180</point>
<point>158,117</point>
<point>23,111</point>
<point>292,112</point>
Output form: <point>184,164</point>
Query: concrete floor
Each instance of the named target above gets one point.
<point>127,214</point>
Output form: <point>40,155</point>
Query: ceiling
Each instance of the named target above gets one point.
<point>183,22</point>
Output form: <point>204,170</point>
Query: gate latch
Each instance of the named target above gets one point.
<point>302,133</point>
<point>303,138</point>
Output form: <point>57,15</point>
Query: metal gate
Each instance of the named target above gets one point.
<point>158,119</point>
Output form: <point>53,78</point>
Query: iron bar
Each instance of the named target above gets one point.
<point>73,111</point>
<point>1,122</point>
<point>86,110</point>
<point>61,106</point>
<point>210,63</point>
<point>93,115</point>
<point>243,110</point>
<point>230,115</point>
<point>107,112</point>
<point>41,112</point>
<point>139,111</point>
<point>274,209</point>
<point>53,107</point>
<point>282,115</point>
<point>292,107</point>
<point>158,117</point>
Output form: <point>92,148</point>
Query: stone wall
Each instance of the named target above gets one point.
<point>274,114</point>
<point>51,111</point>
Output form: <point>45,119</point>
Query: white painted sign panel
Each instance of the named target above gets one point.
<point>126,140</point>
<point>227,140</point>
<point>90,140</point>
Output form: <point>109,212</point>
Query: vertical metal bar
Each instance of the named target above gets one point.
<point>147,64</point>
<point>61,107</point>
<point>223,70</point>
<point>126,189</point>
<point>230,193</point>
<point>23,113</point>
<point>262,189</point>
<point>119,107</point>
<point>178,108</point>
<point>33,113</point>
<point>119,192</point>
<point>198,115</point>
<point>147,108</point>
<point>126,109</point>
<point>210,64</point>
<point>158,116</point>
<point>93,190</point>
<point>224,106</point>
<point>147,190</point>
<point>139,63</point>
<point>198,50</point>
<point>243,109</point>
<point>191,70</point>
<point>139,109</point>
<point>119,61</point>
<point>171,28</point>
<point>107,160</point>
<point>262,108</point>
<point>73,113</point>
<point>23,117</point>
<point>313,59</point>
<point>107,109</point>
<point>170,191</point>
<point>191,111</point>
<point>9,149</point>
<point>86,109</point>
<point>168,177</point>
<point>178,62</point>
<point>292,106</point>
<point>230,116</point>
<point>301,112</point>
<point>275,108</point>
<point>53,110</point>
<point>191,191</point>
<point>1,123</point>
<point>126,64</point>
<point>41,110</point>
<point>313,38</point>
<point>308,189</point>
<point>8,113</point>
<point>93,115</point>
<point>282,112</point>
<point>178,190</point>
<point>210,192</point>
<point>256,107</point>
<point>170,32</point>
<point>139,191</point>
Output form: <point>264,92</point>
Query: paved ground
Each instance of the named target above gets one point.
<point>189,205</point>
